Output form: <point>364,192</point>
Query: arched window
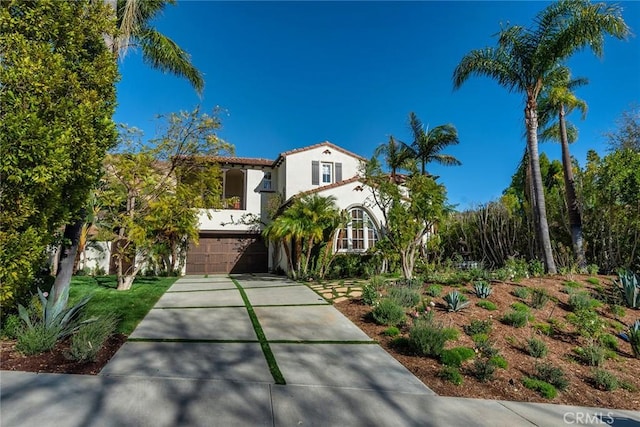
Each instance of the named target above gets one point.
<point>359,235</point>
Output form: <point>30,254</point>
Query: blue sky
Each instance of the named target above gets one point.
<point>292,74</point>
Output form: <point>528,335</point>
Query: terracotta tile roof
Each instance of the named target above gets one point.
<point>249,161</point>
<point>311,147</point>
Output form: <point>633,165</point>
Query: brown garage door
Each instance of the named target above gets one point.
<point>228,253</point>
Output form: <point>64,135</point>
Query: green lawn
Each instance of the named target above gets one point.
<point>130,306</point>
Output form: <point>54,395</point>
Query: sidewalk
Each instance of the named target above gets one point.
<point>264,351</point>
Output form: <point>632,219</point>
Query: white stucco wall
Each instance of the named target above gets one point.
<point>298,167</point>
<point>232,218</point>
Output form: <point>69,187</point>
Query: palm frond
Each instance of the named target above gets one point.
<point>489,62</point>
<point>164,54</point>
<point>551,132</point>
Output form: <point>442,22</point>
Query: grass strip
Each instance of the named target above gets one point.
<point>199,290</point>
<point>187,340</point>
<point>198,306</point>
<point>266,349</point>
<point>292,305</point>
<point>323,342</point>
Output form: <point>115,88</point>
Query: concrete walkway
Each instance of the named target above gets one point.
<point>260,350</point>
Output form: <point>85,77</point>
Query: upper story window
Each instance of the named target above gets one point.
<point>327,173</point>
<point>266,181</point>
<point>323,173</point>
<point>360,233</point>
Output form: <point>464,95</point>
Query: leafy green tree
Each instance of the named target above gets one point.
<point>57,95</point>
<point>609,189</point>
<point>428,143</point>
<point>410,211</point>
<point>522,61</point>
<point>147,202</point>
<point>557,101</point>
<point>133,19</point>
<point>627,134</point>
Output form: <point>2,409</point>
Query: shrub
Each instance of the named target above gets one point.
<point>630,289</point>
<point>521,292</point>
<point>413,283</point>
<point>456,356</point>
<point>516,319</point>
<point>581,301</point>
<point>572,285</point>
<point>537,348</point>
<point>87,342</point>
<point>539,298</point>
<point>609,341</point>
<point>434,290</point>
<point>545,389</point>
<point>482,289</point>
<point>369,294</point>
<point>37,339</point>
<point>484,346</point>
<point>455,301</point>
<point>451,374</point>
<point>392,331</point>
<point>483,369</point>
<point>536,268</point>
<point>605,380</point>
<point>388,312</point>
<point>403,344</point>
<point>633,333</point>
<point>591,354</point>
<point>11,326</point>
<point>544,329</point>
<point>499,361</point>
<point>552,374</point>
<point>518,306</point>
<point>487,305</point>
<point>478,327</point>
<point>404,296</point>
<point>587,323</point>
<point>616,310</point>
<point>428,337</point>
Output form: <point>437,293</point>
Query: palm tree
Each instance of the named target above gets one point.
<point>428,143</point>
<point>558,100</point>
<point>524,58</point>
<point>133,20</point>
<point>308,221</point>
<point>395,155</point>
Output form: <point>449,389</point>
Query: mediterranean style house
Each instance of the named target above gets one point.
<point>230,243</point>
<point>230,238</point>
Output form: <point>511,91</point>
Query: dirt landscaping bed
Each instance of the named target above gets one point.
<point>511,341</point>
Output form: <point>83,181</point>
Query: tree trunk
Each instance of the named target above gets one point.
<point>531,118</point>
<point>575,218</point>
<point>68,251</point>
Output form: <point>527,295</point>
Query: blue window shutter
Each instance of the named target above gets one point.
<point>315,172</point>
<point>338,172</point>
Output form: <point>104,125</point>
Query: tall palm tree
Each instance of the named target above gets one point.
<point>522,61</point>
<point>133,18</point>
<point>428,143</point>
<point>395,155</point>
<point>556,101</point>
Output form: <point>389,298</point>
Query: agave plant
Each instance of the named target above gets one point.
<point>630,288</point>
<point>482,289</point>
<point>634,338</point>
<point>56,315</point>
<point>455,301</point>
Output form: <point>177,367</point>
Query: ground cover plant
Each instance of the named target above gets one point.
<point>552,356</point>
